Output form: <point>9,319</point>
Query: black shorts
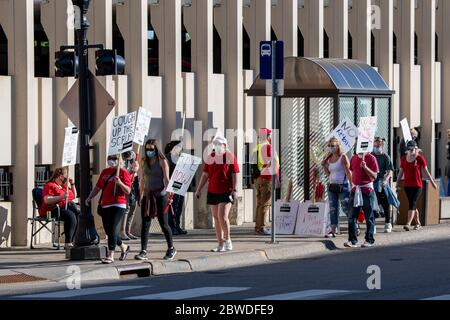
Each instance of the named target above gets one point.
<point>217,198</point>
<point>413,194</point>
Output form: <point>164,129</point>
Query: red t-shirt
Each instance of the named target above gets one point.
<point>108,198</point>
<point>359,176</point>
<point>54,190</point>
<point>413,171</point>
<point>220,172</point>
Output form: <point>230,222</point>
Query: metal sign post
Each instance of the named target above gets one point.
<point>274,123</point>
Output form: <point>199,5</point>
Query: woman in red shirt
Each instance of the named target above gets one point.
<point>55,192</point>
<point>411,166</point>
<point>114,204</point>
<point>220,171</point>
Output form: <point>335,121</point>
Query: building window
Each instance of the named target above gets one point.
<point>326,45</point>
<point>41,48</point>
<point>350,46</point>
<point>300,44</point>
<point>118,41</point>
<point>436,47</point>
<point>3,53</point>
<point>41,176</point>
<point>6,185</point>
<point>246,50</point>
<point>416,49</point>
<point>186,50</point>
<point>217,51</point>
<point>372,49</point>
<point>247,168</point>
<point>153,50</point>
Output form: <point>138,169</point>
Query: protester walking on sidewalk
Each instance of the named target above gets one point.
<point>411,166</point>
<point>262,177</point>
<point>383,180</point>
<point>154,199</point>
<point>132,166</point>
<point>55,192</point>
<point>364,170</point>
<point>112,205</point>
<point>220,171</point>
<point>337,166</point>
<point>173,151</point>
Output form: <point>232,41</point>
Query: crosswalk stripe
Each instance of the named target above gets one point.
<point>187,294</point>
<point>305,295</point>
<point>444,297</point>
<point>80,292</point>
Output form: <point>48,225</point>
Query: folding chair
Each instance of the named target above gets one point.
<point>42,222</point>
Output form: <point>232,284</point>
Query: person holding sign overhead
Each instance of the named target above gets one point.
<point>411,166</point>
<point>337,167</point>
<point>113,205</point>
<point>220,170</point>
<point>153,197</point>
<point>55,192</point>
<point>364,168</point>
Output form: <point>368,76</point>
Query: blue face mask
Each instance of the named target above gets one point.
<point>151,154</point>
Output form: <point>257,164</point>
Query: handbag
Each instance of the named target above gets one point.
<point>337,188</point>
<point>100,211</point>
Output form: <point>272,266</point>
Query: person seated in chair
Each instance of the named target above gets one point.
<point>56,192</point>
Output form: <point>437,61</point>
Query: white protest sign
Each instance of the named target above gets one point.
<point>312,219</point>
<point>70,146</point>
<point>406,131</point>
<point>122,134</point>
<point>142,126</point>
<point>183,174</point>
<point>346,132</point>
<point>285,217</point>
<point>366,137</point>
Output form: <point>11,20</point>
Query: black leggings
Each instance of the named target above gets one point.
<point>163,220</point>
<point>111,218</point>
<point>70,219</point>
<point>413,194</point>
<point>384,203</point>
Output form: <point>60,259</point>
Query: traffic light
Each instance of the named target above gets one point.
<point>66,64</point>
<point>109,63</point>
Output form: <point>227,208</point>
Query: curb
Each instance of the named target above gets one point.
<point>227,260</point>
<point>286,252</point>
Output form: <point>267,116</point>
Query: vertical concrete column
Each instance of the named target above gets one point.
<point>444,45</point>
<point>257,22</point>
<point>166,19</point>
<point>338,33</point>
<point>384,57</point>
<point>311,23</point>
<point>21,67</point>
<point>54,19</point>
<point>198,20</point>
<point>361,30</point>
<point>427,49</point>
<point>405,51</point>
<point>285,25</point>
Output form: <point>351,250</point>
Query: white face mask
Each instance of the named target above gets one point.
<point>112,163</point>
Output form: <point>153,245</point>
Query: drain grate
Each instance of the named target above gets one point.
<point>16,278</point>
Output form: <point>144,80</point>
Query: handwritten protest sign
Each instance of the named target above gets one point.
<point>183,174</point>
<point>70,146</point>
<point>122,134</point>
<point>142,126</point>
<point>312,219</point>
<point>346,132</point>
<point>366,137</point>
<point>406,131</point>
<point>285,217</point>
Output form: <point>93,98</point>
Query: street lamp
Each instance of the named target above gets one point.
<point>69,63</point>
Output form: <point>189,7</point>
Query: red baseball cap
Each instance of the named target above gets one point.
<point>265,131</point>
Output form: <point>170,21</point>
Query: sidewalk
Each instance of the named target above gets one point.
<point>45,264</point>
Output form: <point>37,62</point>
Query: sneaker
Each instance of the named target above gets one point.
<point>141,256</point>
<point>367,245</point>
<point>132,236</point>
<point>407,227</point>
<point>170,254</point>
<point>219,248</point>
<point>349,244</point>
<point>182,232</point>
<point>125,238</point>
<point>228,245</point>
<point>387,228</point>
<point>123,255</point>
<point>330,235</point>
<point>174,232</point>
<point>417,227</point>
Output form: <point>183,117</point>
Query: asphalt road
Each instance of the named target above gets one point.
<point>419,271</point>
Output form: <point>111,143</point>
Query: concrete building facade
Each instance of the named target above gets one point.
<point>196,58</point>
